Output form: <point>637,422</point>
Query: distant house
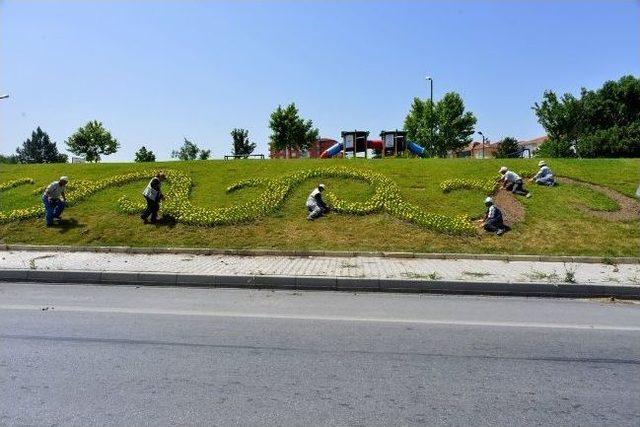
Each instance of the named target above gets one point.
<point>475,151</point>
<point>320,146</point>
<point>281,154</point>
<point>530,147</point>
<point>313,152</point>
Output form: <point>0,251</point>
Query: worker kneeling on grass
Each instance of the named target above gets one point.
<point>511,181</point>
<point>544,175</point>
<point>493,218</point>
<point>54,200</point>
<point>153,194</point>
<point>315,205</point>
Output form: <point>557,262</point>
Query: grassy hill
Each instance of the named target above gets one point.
<point>555,222</point>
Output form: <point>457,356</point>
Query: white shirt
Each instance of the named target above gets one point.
<point>311,200</point>
<point>492,212</point>
<point>543,172</point>
<point>511,176</point>
<point>54,190</point>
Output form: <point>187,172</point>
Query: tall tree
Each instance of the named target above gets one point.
<point>204,154</point>
<point>143,155</point>
<point>442,127</point>
<point>92,141</point>
<point>39,149</point>
<point>290,131</point>
<point>507,148</point>
<point>241,144</point>
<point>600,123</point>
<point>190,151</point>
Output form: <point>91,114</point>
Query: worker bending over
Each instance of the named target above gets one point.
<point>153,194</point>
<point>54,200</point>
<point>315,205</point>
<point>544,175</point>
<point>511,181</point>
<point>493,218</point>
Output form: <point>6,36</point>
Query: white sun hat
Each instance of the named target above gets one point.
<point>488,200</point>
<point>63,178</point>
<point>542,163</point>
<point>503,169</point>
<point>321,186</point>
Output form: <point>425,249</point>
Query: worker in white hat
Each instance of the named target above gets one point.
<point>511,181</point>
<point>544,175</point>
<point>315,205</point>
<point>54,199</point>
<point>493,222</point>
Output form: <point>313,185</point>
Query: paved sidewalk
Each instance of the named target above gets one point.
<point>257,270</point>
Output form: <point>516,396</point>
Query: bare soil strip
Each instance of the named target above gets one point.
<point>512,209</point>
<point>629,207</point>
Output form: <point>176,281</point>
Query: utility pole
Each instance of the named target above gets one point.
<point>431,121</point>
<point>483,139</point>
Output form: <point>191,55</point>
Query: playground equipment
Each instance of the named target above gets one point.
<point>391,143</point>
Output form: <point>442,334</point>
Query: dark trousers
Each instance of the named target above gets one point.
<point>152,210</point>
<point>517,188</point>
<point>493,225</point>
<point>52,209</point>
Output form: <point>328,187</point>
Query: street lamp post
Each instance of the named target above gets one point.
<point>483,139</point>
<point>431,105</point>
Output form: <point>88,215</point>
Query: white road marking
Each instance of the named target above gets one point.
<point>117,310</point>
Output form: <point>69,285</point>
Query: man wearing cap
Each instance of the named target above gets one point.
<point>493,218</point>
<point>152,194</point>
<point>544,175</point>
<point>315,205</point>
<point>511,181</point>
<point>54,200</point>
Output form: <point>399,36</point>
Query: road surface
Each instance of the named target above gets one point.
<point>99,355</point>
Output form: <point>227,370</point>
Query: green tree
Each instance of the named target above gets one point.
<point>600,123</point>
<point>92,141</point>
<point>443,128</point>
<point>556,148</point>
<point>507,148</point>
<point>204,154</point>
<point>39,149</point>
<point>143,155</point>
<point>290,131</point>
<point>190,151</point>
<point>10,159</point>
<point>241,144</point>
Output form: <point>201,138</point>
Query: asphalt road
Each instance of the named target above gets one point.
<point>96,355</point>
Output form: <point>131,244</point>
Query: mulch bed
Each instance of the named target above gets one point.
<point>629,207</point>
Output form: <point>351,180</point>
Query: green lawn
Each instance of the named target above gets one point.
<point>552,225</point>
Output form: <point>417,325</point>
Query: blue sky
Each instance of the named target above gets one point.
<point>155,71</point>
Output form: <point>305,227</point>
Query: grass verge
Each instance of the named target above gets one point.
<point>552,223</point>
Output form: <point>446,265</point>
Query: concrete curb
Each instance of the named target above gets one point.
<point>321,283</point>
<point>300,253</point>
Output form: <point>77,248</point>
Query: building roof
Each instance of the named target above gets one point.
<point>535,141</point>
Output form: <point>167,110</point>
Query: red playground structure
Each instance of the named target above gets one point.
<point>391,143</point>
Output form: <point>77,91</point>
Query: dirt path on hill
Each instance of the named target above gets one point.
<point>629,207</point>
<point>512,209</point>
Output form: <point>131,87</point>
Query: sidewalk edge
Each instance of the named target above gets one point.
<point>321,283</point>
<point>321,253</point>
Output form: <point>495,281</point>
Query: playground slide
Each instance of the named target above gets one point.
<point>332,151</point>
<point>336,148</point>
<point>416,149</point>
<point>375,144</point>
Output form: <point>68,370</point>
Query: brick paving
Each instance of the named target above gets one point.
<point>472,270</point>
